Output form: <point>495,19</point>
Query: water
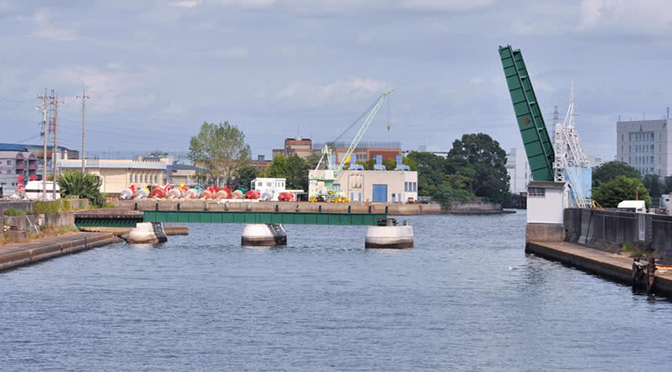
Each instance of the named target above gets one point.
<point>466,298</point>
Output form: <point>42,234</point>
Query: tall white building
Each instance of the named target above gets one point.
<point>645,145</point>
<point>518,169</point>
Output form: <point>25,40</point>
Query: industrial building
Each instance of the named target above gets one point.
<point>518,169</point>
<point>117,175</point>
<point>644,145</point>
<point>303,147</point>
<point>364,151</point>
<point>371,186</point>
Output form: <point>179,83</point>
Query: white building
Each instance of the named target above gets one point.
<point>116,175</point>
<point>645,145</point>
<point>518,169</point>
<point>371,186</point>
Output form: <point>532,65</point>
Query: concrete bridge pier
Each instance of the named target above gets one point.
<point>390,236</point>
<point>264,235</point>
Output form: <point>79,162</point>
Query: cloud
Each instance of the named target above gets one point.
<point>643,16</point>
<point>45,29</point>
<point>447,5</point>
<point>111,90</point>
<point>244,3</point>
<point>186,4</point>
<point>350,89</point>
<point>231,53</point>
<point>477,81</point>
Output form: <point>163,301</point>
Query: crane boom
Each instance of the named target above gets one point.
<point>367,122</point>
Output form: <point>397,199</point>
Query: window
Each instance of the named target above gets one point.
<point>9,162</point>
<point>622,137</point>
<point>653,137</point>
<point>130,178</point>
<point>156,178</point>
<point>536,192</point>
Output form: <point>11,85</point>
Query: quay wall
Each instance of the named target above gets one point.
<point>603,229</point>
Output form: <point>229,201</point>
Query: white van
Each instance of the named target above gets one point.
<point>634,206</point>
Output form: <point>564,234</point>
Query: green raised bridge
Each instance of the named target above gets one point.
<point>538,146</point>
<point>287,218</point>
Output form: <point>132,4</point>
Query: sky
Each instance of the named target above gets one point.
<point>156,70</point>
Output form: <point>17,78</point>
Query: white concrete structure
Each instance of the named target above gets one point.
<point>264,235</point>
<point>645,145</point>
<point>546,202</point>
<point>518,169</point>
<point>389,237</point>
<point>371,186</point>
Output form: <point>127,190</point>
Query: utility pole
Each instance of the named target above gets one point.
<point>84,97</point>
<point>55,102</point>
<point>45,132</point>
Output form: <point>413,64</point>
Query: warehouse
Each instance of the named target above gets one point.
<point>372,186</point>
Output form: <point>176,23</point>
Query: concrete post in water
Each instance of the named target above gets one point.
<point>546,202</point>
<point>147,233</point>
<point>389,236</point>
<point>264,235</point>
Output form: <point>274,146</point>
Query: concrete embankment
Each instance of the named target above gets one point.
<point>20,254</point>
<point>609,265</point>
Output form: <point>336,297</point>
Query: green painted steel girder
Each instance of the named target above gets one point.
<point>107,221</point>
<point>538,146</point>
<point>263,217</point>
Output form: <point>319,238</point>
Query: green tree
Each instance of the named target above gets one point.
<point>668,185</point>
<point>368,165</point>
<point>219,148</point>
<point>447,195</point>
<point>653,184</point>
<point>390,164</point>
<point>621,188</point>
<point>74,183</point>
<point>244,177</point>
<point>488,160</point>
<point>430,169</point>
<point>610,170</point>
<point>297,173</point>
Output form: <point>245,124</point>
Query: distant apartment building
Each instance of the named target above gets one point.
<point>302,147</point>
<point>14,164</point>
<point>364,151</point>
<point>645,145</point>
<point>260,163</point>
<point>518,169</point>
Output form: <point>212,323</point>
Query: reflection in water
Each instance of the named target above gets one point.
<point>465,298</point>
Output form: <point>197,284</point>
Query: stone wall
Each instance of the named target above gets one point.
<point>478,207</point>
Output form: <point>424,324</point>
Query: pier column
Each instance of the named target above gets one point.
<point>390,236</point>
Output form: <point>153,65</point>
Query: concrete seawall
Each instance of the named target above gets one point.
<point>609,265</point>
<point>21,254</point>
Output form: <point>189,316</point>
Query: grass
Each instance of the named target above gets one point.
<point>16,212</point>
<point>633,251</point>
<point>45,231</point>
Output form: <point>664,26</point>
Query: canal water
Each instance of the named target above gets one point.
<point>465,298</point>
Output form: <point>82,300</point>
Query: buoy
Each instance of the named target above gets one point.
<point>147,233</point>
<point>264,235</point>
<point>389,236</point>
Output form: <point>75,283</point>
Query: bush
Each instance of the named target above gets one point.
<point>87,186</point>
<point>446,196</point>
<point>47,207</point>
<point>16,212</point>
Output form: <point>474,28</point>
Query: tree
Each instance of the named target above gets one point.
<point>447,195</point>
<point>368,165</point>
<point>488,160</point>
<point>430,169</point>
<point>668,184</point>
<point>610,170</point>
<point>653,184</point>
<point>390,164</point>
<point>621,188</point>
<point>294,169</point>
<point>244,177</point>
<point>219,148</point>
<point>74,183</point>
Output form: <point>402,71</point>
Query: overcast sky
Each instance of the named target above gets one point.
<point>155,70</point>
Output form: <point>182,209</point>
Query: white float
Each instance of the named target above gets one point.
<point>389,236</point>
<point>147,233</point>
<point>264,235</point>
